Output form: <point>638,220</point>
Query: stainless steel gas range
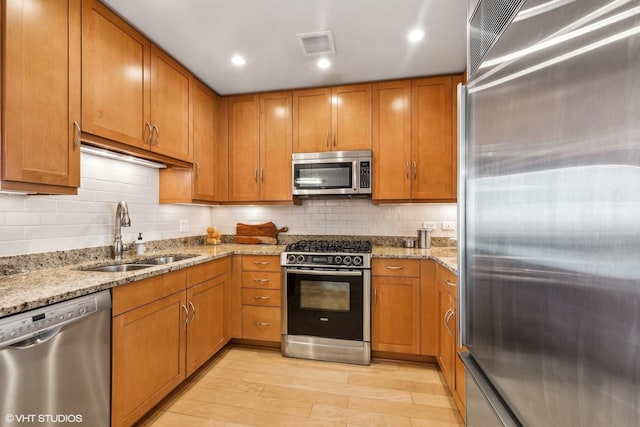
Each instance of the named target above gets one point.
<point>326,301</point>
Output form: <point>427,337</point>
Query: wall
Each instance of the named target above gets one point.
<point>339,217</point>
<point>32,224</point>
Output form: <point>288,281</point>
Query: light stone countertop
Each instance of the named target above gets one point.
<point>26,291</point>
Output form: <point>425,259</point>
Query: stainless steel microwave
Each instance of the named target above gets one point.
<point>333,173</point>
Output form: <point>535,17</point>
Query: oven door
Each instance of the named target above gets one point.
<point>327,303</point>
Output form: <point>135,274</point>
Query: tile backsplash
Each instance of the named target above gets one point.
<point>34,224</point>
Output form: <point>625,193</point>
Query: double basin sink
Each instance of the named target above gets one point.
<point>139,265</point>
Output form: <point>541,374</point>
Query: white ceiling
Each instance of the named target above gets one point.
<point>369,35</point>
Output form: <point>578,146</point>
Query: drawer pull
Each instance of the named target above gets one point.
<point>261,262</point>
<point>450,283</point>
<point>394,267</point>
<point>260,298</point>
<point>262,323</point>
<point>261,280</point>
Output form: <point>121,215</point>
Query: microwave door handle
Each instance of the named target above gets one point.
<point>324,272</point>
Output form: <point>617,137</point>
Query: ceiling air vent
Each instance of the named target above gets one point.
<point>318,43</point>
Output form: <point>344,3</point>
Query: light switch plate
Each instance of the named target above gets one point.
<point>184,225</point>
<point>448,225</point>
<point>429,225</point>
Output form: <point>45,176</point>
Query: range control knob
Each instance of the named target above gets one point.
<point>291,258</point>
<point>1,337</point>
<point>357,260</point>
<point>300,259</point>
<point>13,334</point>
<point>82,311</point>
<point>346,260</point>
<point>337,260</point>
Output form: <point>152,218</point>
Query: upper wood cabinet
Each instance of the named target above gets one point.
<point>260,147</point>
<point>414,140</point>
<point>332,119</point>
<point>132,92</point>
<point>392,140</point>
<point>41,100</point>
<point>199,183</point>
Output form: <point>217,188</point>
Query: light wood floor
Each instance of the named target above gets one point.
<point>254,387</point>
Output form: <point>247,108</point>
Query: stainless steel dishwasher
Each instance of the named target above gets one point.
<point>55,364</point>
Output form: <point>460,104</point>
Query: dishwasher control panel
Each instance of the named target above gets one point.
<point>34,323</point>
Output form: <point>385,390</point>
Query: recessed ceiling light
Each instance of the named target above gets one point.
<point>415,35</point>
<point>238,60</point>
<point>323,63</point>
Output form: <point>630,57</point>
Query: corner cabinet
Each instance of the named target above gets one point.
<point>332,119</point>
<point>260,148</point>
<point>163,329</point>
<point>414,140</point>
<point>41,100</point>
<point>135,98</point>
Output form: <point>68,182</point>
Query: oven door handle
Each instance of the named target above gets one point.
<point>325,272</point>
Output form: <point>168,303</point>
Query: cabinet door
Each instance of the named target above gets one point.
<point>205,110</point>
<point>205,330</point>
<point>148,359</point>
<point>447,340</point>
<point>431,139</point>
<point>115,77</point>
<point>429,315</point>
<point>275,146</point>
<point>392,140</point>
<point>170,106</point>
<point>244,153</point>
<point>351,117</point>
<point>396,314</point>
<point>312,120</point>
<point>41,95</point>
<point>222,151</point>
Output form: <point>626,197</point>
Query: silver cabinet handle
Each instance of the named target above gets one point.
<point>415,170</point>
<point>262,323</point>
<point>450,283</point>
<point>186,315</point>
<point>255,174</point>
<point>375,296</point>
<point>408,171</point>
<point>193,310</point>
<point>261,262</point>
<point>147,140</point>
<point>261,174</point>
<point>76,142</point>
<point>261,280</point>
<point>335,139</point>
<point>260,298</point>
<point>197,169</point>
<point>394,267</point>
<point>157,131</point>
<point>448,315</point>
<point>327,139</point>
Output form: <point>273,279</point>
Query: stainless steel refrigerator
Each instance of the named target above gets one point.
<point>549,213</point>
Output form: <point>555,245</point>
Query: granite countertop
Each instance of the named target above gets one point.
<point>26,291</point>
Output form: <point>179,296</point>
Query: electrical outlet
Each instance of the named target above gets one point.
<point>184,225</point>
<point>448,225</point>
<point>429,225</point>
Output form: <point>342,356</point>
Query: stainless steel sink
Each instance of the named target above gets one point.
<point>118,268</point>
<point>166,259</point>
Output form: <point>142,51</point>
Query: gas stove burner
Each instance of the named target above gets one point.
<point>327,246</point>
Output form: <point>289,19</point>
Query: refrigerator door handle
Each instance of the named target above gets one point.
<point>462,174</point>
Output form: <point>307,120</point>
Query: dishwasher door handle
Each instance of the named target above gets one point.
<point>37,340</point>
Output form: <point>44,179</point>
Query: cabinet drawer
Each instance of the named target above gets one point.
<point>259,279</point>
<point>133,295</point>
<point>447,280</point>
<point>260,263</point>
<point>396,267</point>
<point>261,323</point>
<point>263,297</point>
<point>201,272</point>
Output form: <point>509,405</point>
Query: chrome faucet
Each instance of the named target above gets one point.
<point>122,220</point>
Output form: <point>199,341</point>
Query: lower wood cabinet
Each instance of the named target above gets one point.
<point>396,305</point>
<point>260,297</point>
<point>163,329</point>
